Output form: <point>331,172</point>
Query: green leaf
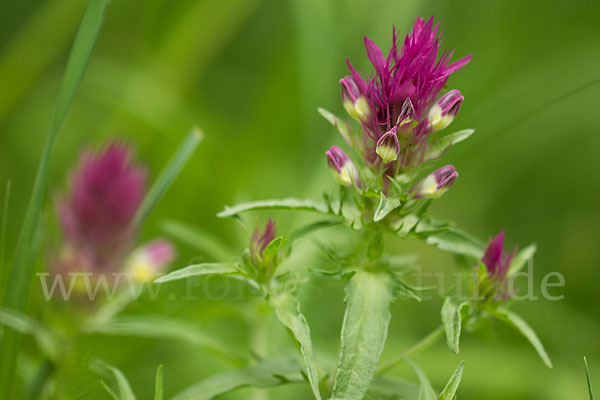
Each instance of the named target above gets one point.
<point>449,391</point>
<point>27,246</point>
<point>125,392</point>
<point>266,374</point>
<point>157,327</point>
<point>158,384</point>
<point>341,126</point>
<point>368,299</point>
<point>589,378</point>
<point>168,174</point>
<point>199,270</point>
<point>523,327</point>
<point>202,240</point>
<point>386,206</point>
<point>426,391</point>
<point>457,242</point>
<point>392,389</point>
<point>3,233</point>
<point>438,148</point>
<point>283,204</point>
<point>288,311</point>
<point>109,390</point>
<point>521,259</point>
<point>269,254</point>
<point>310,228</point>
<point>452,320</point>
<point>45,339</point>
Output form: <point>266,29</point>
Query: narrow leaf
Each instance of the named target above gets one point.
<point>338,123</point>
<point>27,246</point>
<point>449,391</point>
<point>438,148</point>
<point>288,311</point>
<point>109,390</point>
<point>457,242</point>
<point>283,204</point>
<point>589,378</point>
<point>202,240</point>
<point>158,384</point>
<point>3,233</point>
<point>125,391</point>
<point>392,389</point>
<point>199,270</point>
<point>21,323</point>
<point>452,320</point>
<point>426,391</point>
<point>266,374</point>
<point>157,327</point>
<point>521,259</point>
<point>523,327</point>
<point>368,298</point>
<point>168,174</point>
<point>385,206</point>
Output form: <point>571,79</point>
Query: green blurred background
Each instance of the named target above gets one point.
<point>251,74</point>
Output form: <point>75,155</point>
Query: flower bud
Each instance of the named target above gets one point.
<point>147,261</point>
<point>495,259</point>
<point>260,240</point>
<point>435,184</point>
<point>443,112</point>
<point>354,101</point>
<point>388,146</point>
<point>342,167</point>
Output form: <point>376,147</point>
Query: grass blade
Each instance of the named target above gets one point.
<point>3,234</point>
<point>27,246</point>
<point>168,174</point>
<point>158,385</point>
<point>589,378</point>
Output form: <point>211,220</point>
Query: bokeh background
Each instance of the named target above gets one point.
<point>251,74</point>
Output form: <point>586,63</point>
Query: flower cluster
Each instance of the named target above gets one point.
<point>97,217</point>
<point>399,107</point>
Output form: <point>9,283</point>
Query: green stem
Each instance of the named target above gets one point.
<point>417,348</point>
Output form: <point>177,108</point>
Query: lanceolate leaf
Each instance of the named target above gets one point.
<point>385,388</point>
<point>21,323</point>
<point>342,126</point>
<point>452,320</point>
<point>589,378</point>
<point>283,204</point>
<point>457,242</point>
<point>158,384</point>
<point>125,392</point>
<point>386,205</point>
<point>199,270</point>
<point>157,327</point>
<point>168,174</point>
<point>364,331</point>
<point>521,259</point>
<point>266,374</point>
<point>443,144</point>
<point>523,327</point>
<point>27,245</point>
<point>198,238</point>
<point>449,391</point>
<point>288,311</point>
<point>426,391</point>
